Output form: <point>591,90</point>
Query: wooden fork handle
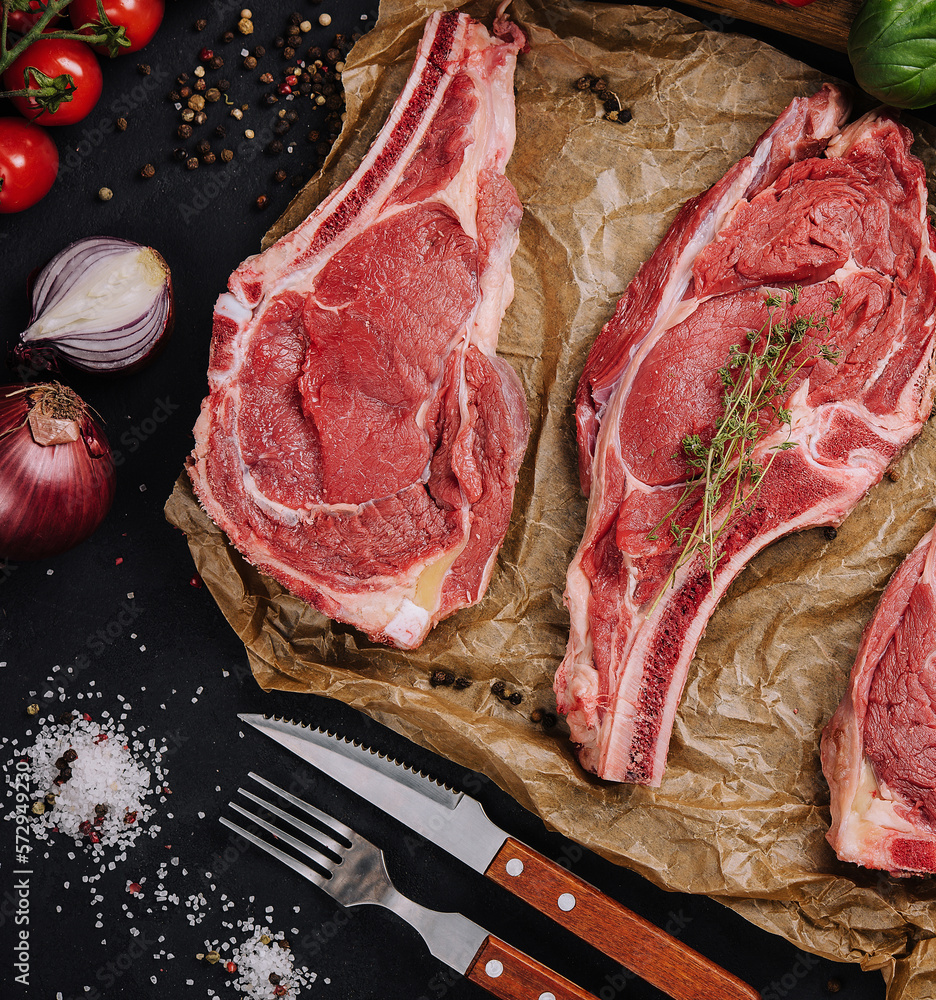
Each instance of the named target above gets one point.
<point>512,975</point>
<point>625,936</point>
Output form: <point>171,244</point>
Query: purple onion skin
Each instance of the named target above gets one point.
<point>46,357</point>
<point>51,496</point>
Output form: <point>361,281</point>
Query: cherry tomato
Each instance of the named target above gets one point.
<point>140,18</point>
<point>55,56</point>
<point>22,20</point>
<point>28,164</point>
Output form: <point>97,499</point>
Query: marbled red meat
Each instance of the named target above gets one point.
<point>879,748</point>
<point>840,213</point>
<point>361,440</point>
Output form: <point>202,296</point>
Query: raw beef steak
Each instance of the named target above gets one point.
<point>361,440</point>
<point>879,748</point>
<point>841,214</point>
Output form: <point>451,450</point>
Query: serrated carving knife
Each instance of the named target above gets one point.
<point>457,823</point>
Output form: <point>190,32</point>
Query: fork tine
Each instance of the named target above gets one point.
<point>317,835</point>
<point>297,866</point>
<point>333,824</point>
<point>306,849</point>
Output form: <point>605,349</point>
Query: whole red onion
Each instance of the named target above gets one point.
<point>57,475</point>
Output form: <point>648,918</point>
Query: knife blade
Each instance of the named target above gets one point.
<point>457,823</point>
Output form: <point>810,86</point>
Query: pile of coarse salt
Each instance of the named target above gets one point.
<point>262,964</point>
<point>91,782</point>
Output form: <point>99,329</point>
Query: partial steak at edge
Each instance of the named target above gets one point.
<point>841,214</point>
<point>879,748</point>
<point>361,440</point>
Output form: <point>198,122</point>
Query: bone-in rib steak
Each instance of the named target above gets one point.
<point>879,749</point>
<point>361,440</point>
<point>840,213</point>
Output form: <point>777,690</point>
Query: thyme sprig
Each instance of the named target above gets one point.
<point>755,379</point>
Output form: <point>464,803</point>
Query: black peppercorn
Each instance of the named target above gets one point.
<point>121,124</point>
<point>462,682</point>
<point>192,163</point>
<point>515,698</point>
<point>223,85</point>
<point>185,92</point>
<point>583,82</point>
<point>201,24</point>
<point>441,678</point>
<point>144,69</point>
<point>275,147</point>
<point>261,201</point>
<point>69,756</point>
<point>64,775</point>
<point>203,146</point>
<point>100,809</point>
<point>292,115</point>
<point>313,136</point>
<point>227,155</point>
<point>227,37</point>
<point>270,99</point>
<point>249,62</point>
<point>536,715</point>
<point>289,53</point>
<point>297,181</point>
<point>65,718</point>
<point>549,720</point>
<point>182,78</point>
<point>281,127</point>
<point>279,176</point>
<point>180,154</point>
<point>215,62</point>
<point>498,688</point>
<point>147,171</point>
<point>322,148</point>
<point>220,131</point>
<point>333,55</point>
<point>174,95</point>
<point>200,117</point>
<point>830,533</point>
<point>305,89</point>
<point>208,157</point>
<point>279,42</point>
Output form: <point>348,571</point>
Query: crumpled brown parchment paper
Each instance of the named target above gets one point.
<point>743,808</point>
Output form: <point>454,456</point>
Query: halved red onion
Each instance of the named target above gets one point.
<point>57,475</point>
<point>103,305</point>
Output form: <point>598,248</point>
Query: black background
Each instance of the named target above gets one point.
<point>70,613</point>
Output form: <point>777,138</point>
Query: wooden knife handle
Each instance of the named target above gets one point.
<point>625,936</point>
<point>512,975</point>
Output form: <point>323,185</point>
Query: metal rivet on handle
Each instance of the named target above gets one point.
<point>514,866</point>
<point>547,996</point>
<point>566,901</point>
<point>494,968</point>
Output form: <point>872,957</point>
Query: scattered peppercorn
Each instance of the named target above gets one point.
<point>184,131</point>
<point>261,201</point>
<point>274,148</point>
<point>144,69</point>
<point>196,102</point>
<point>248,133</point>
<point>100,809</point>
<point>280,991</point>
<point>333,55</point>
<point>237,113</point>
<point>498,688</point>
<point>66,718</point>
<point>205,55</point>
<point>249,62</point>
<point>295,18</point>
<point>266,77</point>
<point>182,78</point>
<point>185,93</point>
<point>38,808</point>
<point>284,88</point>
<point>227,37</point>
<point>892,475</point>
<point>833,986</point>
<point>69,756</point>
<point>270,99</point>
<point>200,117</point>
<point>549,720</point>
<point>33,708</point>
<point>292,115</point>
<point>324,20</point>
<point>188,115</point>
<point>199,71</point>
<point>313,136</point>
<point>227,155</point>
<point>288,52</point>
<point>203,146</point>
<point>515,698</point>
<point>265,939</point>
<point>213,95</point>
<point>462,682</point>
<point>192,163</point>
<point>830,533</point>
<point>201,86</point>
<point>215,62</point>
<point>201,24</point>
<point>275,978</point>
<point>536,715</point>
<point>173,95</point>
<point>208,157</point>
<point>441,678</point>
<point>283,943</point>
<point>65,773</point>
<point>305,26</point>
<point>148,170</point>
<point>219,131</point>
<point>223,85</point>
<point>230,967</point>
<point>212,957</point>
<point>297,181</point>
<point>279,42</point>
<point>259,51</point>
<point>130,817</point>
<point>245,26</point>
